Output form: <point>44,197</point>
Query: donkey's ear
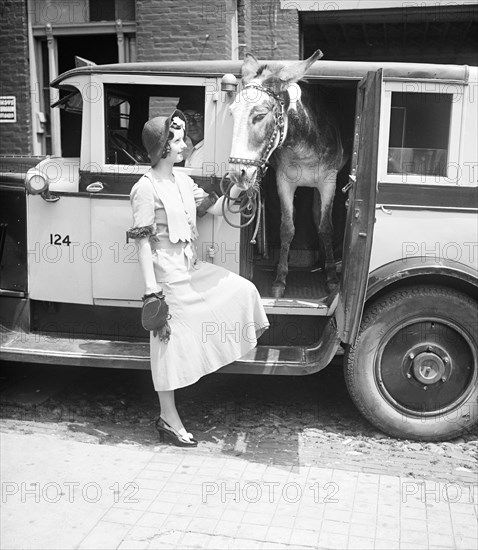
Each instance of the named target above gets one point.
<point>293,73</point>
<point>249,67</point>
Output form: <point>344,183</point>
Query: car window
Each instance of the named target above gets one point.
<point>419,133</point>
<point>127,109</point>
<point>71,112</point>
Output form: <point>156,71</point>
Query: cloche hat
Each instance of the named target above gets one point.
<point>156,131</point>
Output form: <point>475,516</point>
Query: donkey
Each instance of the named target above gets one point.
<point>274,118</point>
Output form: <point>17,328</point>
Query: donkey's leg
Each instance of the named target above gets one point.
<point>325,227</point>
<point>327,236</point>
<point>287,230</point>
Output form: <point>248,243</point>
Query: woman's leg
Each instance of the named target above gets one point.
<point>169,412</point>
<point>168,409</point>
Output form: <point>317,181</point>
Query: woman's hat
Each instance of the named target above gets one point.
<point>156,132</point>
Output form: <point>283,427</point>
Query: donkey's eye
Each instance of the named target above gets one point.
<point>259,117</point>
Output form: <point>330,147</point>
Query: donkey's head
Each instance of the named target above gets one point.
<point>260,114</point>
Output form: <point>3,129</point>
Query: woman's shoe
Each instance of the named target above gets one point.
<point>181,440</point>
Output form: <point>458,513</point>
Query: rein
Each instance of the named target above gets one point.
<point>248,205</point>
<point>250,202</point>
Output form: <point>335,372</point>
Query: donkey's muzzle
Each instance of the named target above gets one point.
<point>243,177</point>
<point>243,172</point>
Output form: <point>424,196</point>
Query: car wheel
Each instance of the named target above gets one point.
<point>413,370</point>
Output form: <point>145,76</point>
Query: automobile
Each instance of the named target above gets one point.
<point>404,317</point>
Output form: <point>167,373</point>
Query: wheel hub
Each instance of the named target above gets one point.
<point>428,364</point>
<point>428,368</point>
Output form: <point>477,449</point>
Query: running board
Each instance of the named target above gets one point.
<point>323,307</point>
<point>54,350</point>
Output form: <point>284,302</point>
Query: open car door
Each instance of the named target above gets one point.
<point>361,207</point>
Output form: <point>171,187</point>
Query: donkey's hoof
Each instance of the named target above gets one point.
<point>278,290</point>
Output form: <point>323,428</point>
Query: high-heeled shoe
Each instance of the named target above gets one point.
<point>179,439</point>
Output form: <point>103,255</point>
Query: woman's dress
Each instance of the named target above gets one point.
<point>216,315</point>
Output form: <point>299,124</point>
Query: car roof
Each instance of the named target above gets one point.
<point>347,70</point>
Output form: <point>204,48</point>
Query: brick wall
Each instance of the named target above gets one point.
<point>274,33</point>
<point>15,138</point>
<point>173,30</point>
<point>182,30</point>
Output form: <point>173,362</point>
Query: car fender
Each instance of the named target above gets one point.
<point>421,268</point>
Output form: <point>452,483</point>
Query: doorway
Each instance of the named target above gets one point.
<point>100,49</point>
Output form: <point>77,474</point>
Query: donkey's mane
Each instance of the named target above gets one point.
<point>312,126</point>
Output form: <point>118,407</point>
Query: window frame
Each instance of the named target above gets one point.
<point>148,80</point>
<point>453,157</point>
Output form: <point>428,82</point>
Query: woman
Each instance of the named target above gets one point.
<point>216,316</point>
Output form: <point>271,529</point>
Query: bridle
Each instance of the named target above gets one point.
<point>251,200</point>
<point>280,131</point>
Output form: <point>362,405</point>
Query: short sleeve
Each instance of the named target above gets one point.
<point>203,200</point>
<point>142,203</point>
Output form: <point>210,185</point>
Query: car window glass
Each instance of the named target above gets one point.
<point>419,133</point>
<point>127,108</point>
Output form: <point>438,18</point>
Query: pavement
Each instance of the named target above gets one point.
<point>60,493</point>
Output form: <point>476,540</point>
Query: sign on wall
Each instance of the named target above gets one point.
<point>8,108</point>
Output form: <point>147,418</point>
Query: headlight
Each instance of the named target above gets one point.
<point>36,183</point>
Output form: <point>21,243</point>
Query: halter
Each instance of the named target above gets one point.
<point>250,203</point>
<point>280,131</point>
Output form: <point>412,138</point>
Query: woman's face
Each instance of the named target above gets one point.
<point>177,146</point>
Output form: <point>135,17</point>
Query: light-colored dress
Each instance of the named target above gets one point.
<point>216,315</point>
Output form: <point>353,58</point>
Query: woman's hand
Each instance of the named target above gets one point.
<point>216,209</point>
<point>235,191</point>
<point>155,315</point>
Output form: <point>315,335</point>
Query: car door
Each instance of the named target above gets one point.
<point>128,103</point>
<point>58,222</point>
<point>361,207</point>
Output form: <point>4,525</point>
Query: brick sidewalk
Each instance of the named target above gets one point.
<point>187,501</point>
<point>175,498</point>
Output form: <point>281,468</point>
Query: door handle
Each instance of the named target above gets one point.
<point>352,181</point>
<point>95,187</point>
<point>383,209</point>
<point>49,197</point>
